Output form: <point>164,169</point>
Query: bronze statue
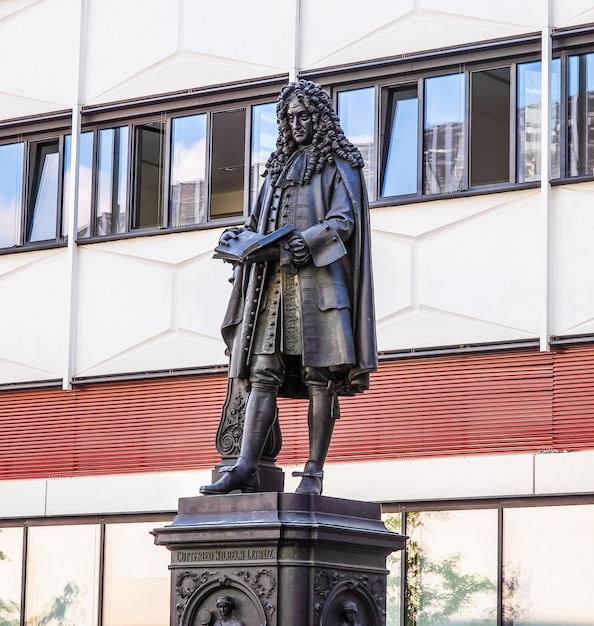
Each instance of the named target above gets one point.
<point>300,321</point>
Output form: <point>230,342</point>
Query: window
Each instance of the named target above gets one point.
<point>111,213</point>
<point>43,190</point>
<point>492,565</point>
<point>147,202</point>
<point>228,163</point>
<point>84,574</point>
<point>400,174</point>
<point>490,126</point>
<point>580,115</point>
<point>187,190</point>
<point>178,171</point>
<point>264,133</point>
<point>356,110</point>
<point>11,193</point>
<point>444,134</point>
<point>135,568</point>
<point>11,572</point>
<point>62,575</point>
<point>85,174</point>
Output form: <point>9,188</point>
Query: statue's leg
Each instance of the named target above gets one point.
<point>323,411</point>
<point>260,413</point>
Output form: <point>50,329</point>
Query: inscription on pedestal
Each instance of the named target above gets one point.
<point>224,555</point>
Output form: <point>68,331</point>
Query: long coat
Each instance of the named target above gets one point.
<point>336,288</point>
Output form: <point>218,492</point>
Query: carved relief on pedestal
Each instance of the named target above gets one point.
<point>242,597</point>
<point>341,600</point>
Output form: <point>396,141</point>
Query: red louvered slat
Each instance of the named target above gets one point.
<point>451,405</point>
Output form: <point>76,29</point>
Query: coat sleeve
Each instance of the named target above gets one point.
<point>326,240</point>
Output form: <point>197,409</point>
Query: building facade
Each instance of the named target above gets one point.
<point>476,121</point>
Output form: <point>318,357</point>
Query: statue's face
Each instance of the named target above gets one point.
<point>301,122</point>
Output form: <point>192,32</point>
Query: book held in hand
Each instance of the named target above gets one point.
<point>247,242</point>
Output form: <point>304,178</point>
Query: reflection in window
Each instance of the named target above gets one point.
<point>42,217</point>
<point>135,569</point>
<point>356,110</point>
<point>11,553</point>
<point>85,182</point>
<point>11,193</point>
<point>451,567</point>
<point>227,166</point>
<point>580,111</point>
<point>187,193</point>
<point>264,133</point>
<point>112,181</point>
<point>62,575</point>
<point>489,126</point>
<point>148,175</point>
<point>543,585</point>
<point>444,143</point>
<point>401,156</point>
<point>393,522</point>
<point>528,120</point>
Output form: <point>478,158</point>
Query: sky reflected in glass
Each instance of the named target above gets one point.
<point>11,193</point>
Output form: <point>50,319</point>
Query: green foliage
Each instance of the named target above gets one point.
<point>63,609</point>
<point>9,613</point>
<point>436,589</point>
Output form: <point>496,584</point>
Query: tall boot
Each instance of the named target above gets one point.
<point>260,413</point>
<point>323,411</point>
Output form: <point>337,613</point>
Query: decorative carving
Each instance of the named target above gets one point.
<point>330,585</point>
<point>263,582</point>
<point>325,581</point>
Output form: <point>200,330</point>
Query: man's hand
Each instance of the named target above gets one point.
<point>230,233</point>
<point>298,249</point>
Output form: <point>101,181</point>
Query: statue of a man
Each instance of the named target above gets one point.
<point>300,323</point>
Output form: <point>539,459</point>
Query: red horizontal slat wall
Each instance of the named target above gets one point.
<point>451,405</point>
<point>573,406</point>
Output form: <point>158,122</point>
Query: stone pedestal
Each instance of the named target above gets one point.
<point>277,559</point>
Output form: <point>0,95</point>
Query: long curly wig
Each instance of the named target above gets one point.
<point>328,137</point>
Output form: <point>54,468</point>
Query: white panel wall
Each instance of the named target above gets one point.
<point>445,478</point>
<point>33,299</point>
<point>38,52</point>
<point>143,47</point>
<point>457,271</point>
<point>337,32</point>
<point>572,301</point>
<point>151,303</point>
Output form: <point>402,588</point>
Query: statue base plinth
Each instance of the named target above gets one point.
<point>279,559</point>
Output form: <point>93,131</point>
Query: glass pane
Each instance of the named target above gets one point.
<point>148,146</point>
<point>451,567</point>
<point>11,557</point>
<point>264,133</point>
<point>528,120</point>
<point>356,110</point>
<point>393,522</point>
<point>444,134</point>
<point>490,126</point>
<point>11,193</point>
<point>85,183</point>
<point>112,181</point>
<point>401,162</point>
<point>135,568</point>
<point>42,216</point>
<point>581,115</point>
<point>555,118</point>
<point>547,556</point>
<point>228,163</point>
<point>188,170</point>
<point>62,575</point>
